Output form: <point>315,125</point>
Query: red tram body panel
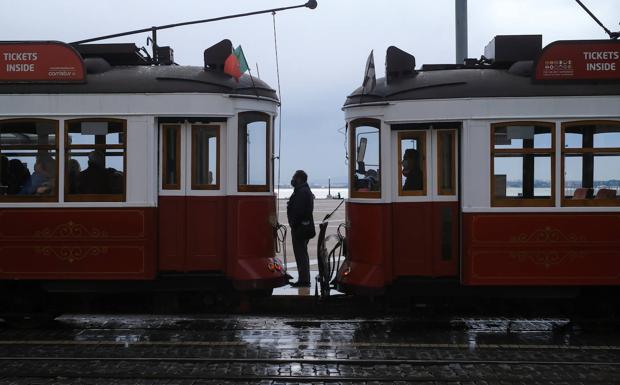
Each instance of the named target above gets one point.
<point>89,244</point>
<point>195,231</point>
<point>534,249</point>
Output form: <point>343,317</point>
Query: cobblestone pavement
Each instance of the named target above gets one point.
<point>277,350</point>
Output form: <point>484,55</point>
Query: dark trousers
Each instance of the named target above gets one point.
<point>300,248</point>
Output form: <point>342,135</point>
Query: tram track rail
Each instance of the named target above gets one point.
<point>411,371</point>
<point>314,361</point>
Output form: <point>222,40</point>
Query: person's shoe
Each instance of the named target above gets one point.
<point>300,284</point>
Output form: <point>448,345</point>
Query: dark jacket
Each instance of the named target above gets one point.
<point>300,206</point>
<point>93,180</point>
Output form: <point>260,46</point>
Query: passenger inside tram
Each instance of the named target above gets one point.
<point>73,173</point>
<point>412,170</point>
<point>96,178</point>
<point>4,170</point>
<point>18,176</point>
<point>41,182</point>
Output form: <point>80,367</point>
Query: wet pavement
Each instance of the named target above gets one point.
<point>226,349</point>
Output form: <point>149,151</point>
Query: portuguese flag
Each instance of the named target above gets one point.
<point>235,65</point>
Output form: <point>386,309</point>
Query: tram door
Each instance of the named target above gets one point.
<point>425,211</point>
<point>192,206</point>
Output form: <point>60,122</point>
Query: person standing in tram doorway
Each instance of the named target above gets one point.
<point>299,212</point>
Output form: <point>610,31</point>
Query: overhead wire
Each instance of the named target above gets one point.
<point>275,45</point>
<point>281,230</point>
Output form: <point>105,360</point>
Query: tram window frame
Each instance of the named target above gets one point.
<point>582,151</point>
<point>205,186</point>
<point>440,162</point>
<point>105,147</point>
<point>176,185</point>
<point>53,197</point>
<point>354,125</point>
<point>244,119</point>
<point>521,153</point>
<point>420,136</point>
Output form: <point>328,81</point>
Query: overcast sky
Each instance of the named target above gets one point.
<point>322,52</point>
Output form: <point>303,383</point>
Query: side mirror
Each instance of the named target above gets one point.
<point>361,149</point>
<point>361,168</point>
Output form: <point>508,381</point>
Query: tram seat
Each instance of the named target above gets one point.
<point>606,193</point>
<point>583,193</point>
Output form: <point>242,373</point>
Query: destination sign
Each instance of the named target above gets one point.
<point>25,62</point>
<point>579,60</point>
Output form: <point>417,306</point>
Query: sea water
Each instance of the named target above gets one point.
<point>319,193</point>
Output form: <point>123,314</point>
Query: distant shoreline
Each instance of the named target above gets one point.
<point>319,192</point>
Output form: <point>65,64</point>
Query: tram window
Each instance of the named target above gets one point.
<point>171,157</point>
<point>446,164</point>
<point>512,176</point>
<point>205,154</point>
<point>591,163</point>
<point>365,159</point>
<point>522,164</point>
<point>412,155</point>
<point>253,151</point>
<point>95,160</point>
<point>28,160</point>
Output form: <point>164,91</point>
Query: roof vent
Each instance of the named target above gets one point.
<point>96,65</point>
<point>398,64</point>
<point>523,68</point>
<point>216,55</point>
<point>513,48</point>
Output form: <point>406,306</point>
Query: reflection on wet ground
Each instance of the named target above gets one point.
<point>276,350</point>
<point>291,332</point>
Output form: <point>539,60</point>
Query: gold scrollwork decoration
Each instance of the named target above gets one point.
<point>546,258</point>
<point>71,230</point>
<point>71,253</point>
<point>547,235</point>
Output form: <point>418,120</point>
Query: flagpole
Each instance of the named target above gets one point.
<point>253,85</point>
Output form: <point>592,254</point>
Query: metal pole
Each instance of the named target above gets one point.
<point>460,22</point>
<point>612,35</point>
<point>154,38</point>
<point>311,4</point>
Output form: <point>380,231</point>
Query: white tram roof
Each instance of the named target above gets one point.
<point>484,79</point>
<point>120,69</point>
<point>149,79</point>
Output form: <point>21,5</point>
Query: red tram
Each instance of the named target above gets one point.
<point>117,174</point>
<point>498,174</point>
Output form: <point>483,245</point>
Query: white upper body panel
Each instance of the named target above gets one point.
<point>141,112</point>
<point>476,116</point>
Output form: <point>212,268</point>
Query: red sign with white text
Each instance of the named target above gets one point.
<point>579,60</point>
<point>47,62</point>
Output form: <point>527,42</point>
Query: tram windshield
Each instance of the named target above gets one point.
<point>254,160</point>
<point>365,158</point>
